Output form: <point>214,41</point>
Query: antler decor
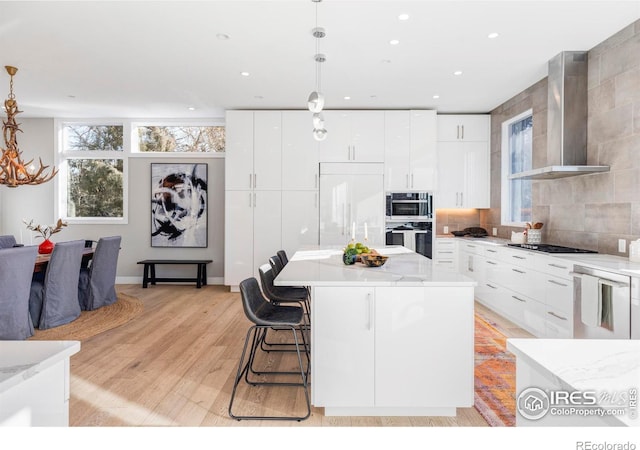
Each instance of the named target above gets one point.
<point>13,170</point>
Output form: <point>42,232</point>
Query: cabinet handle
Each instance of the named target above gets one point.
<point>250,178</point>
<point>457,198</point>
<point>255,181</point>
<point>558,266</point>
<point>354,152</point>
<point>441,252</point>
<point>471,246</point>
<point>558,283</point>
<point>492,263</point>
<point>519,299</point>
<point>411,181</point>
<point>556,316</point>
<point>518,257</point>
<point>519,271</point>
<point>457,131</point>
<point>491,286</point>
<point>461,198</point>
<point>492,251</point>
<point>462,131</point>
<point>249,199</point>
<point>407,181</point>
<point>315,197</point>
<point>254,199</point>
<point>315,183</point>
<point>370,313</point>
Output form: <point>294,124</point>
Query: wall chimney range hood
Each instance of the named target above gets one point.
<point>566,120</point>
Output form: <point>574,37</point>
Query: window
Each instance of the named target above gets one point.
<point>92,173</point>
<point>181,139</point>
<point>517,150</point>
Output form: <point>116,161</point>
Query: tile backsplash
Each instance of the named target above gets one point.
<point>588,211</point>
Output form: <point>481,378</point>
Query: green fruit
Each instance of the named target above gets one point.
<point>359,250</point>
<point>351,245</point>
<point>365,250</point>
<point>359,245</point>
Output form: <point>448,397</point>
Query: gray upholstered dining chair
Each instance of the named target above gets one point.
<point>97,285</point>
<point>16,269</point>
<point>7,241</point>
<point>54,300</point>
<point>284,259</point>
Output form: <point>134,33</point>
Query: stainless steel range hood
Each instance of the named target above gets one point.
<point>566,120</point>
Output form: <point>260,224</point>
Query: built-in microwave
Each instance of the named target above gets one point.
<point>409,206</point>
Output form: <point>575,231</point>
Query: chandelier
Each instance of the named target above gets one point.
<point>315,102</point>
<point>13,170</point>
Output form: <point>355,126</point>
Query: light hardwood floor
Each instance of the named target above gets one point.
<point>174,366</point>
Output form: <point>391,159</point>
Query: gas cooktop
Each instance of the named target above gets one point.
<point>549,248</point>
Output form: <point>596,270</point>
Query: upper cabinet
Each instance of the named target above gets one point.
<point>410,150</point>
<point>463,161</point>
<point>299,152</point>
<point>463,127</point>
<point>353,136</point>
<point>254,150</point>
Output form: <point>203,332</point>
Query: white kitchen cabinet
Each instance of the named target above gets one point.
<point>252,232</point>
<point>464,127</point>
<point>410,150</point>
<point>358,337</point>
<point>254,150</point>
<point>299,152</point>
<point>300,210</point>
<point>463,167</point>
<point>343,346</point>
<point>353,136</point>
<point>445,256</point>
<point>409,314</point>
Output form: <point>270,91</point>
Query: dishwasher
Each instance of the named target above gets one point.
<point>601,304</point>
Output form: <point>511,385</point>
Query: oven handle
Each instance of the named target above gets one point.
<point>602,280</point>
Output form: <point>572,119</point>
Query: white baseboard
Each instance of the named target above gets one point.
<point>138,280</point>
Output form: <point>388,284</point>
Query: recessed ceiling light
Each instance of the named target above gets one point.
<point>191,108</point>
<point>493,35</point>
<point>403,17</point>
<point>346,97</point>
<point>436,96</point>
<point>458,72</point>
<point>394,42</point>
<point>244,74</point>
<point>223,36</point>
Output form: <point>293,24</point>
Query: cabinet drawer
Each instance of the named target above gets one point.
<point>558,324</point>
<point>559,294</point>
<point>445,243</point>
<point>491,252</point>
<point>469,247</point>
<point>524,281</point>
<point>557,267</point>
<point>517,257</point>
<point>449,265</point>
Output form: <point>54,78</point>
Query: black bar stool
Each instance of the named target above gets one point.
<point>265,315</point>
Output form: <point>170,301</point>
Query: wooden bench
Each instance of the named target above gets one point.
<point>150,271</point>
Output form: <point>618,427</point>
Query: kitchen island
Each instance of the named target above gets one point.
<point>395,340</point>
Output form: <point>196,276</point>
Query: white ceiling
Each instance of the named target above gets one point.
<point>155,59</point>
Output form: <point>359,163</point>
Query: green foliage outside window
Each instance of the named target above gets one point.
<point>95,188</point>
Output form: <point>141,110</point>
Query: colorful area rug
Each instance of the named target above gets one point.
<point>91,323</point>
<point>495,375</point>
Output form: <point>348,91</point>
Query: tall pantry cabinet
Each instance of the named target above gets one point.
<point>271,188</point>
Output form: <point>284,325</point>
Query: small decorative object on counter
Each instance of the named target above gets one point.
<point>46,232</point>
<point>534,233</point>
<point>372,260</point>
<point>518,238</point>
<point>634,251</point>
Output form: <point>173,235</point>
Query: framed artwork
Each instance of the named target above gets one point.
<point>179,205</point>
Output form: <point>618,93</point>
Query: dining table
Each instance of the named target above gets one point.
<point>43,259</point>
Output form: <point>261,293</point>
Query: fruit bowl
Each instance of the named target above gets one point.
<point>374,260</point>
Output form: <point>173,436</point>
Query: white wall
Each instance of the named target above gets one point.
<point>37,202</point>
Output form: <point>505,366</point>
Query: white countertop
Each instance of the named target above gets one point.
<point>324,267</point>
<point>611,365</point>
<point>21,360</point>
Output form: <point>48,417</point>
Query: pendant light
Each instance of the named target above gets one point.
<point>315,103</point>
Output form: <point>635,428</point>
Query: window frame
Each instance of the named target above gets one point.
<point>61,162</point>
<point>505,201</point>
<point>133,137</point>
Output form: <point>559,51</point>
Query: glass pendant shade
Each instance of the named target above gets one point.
<point>318,121</point>
<point>319,134</point>
<point>315,102</point>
